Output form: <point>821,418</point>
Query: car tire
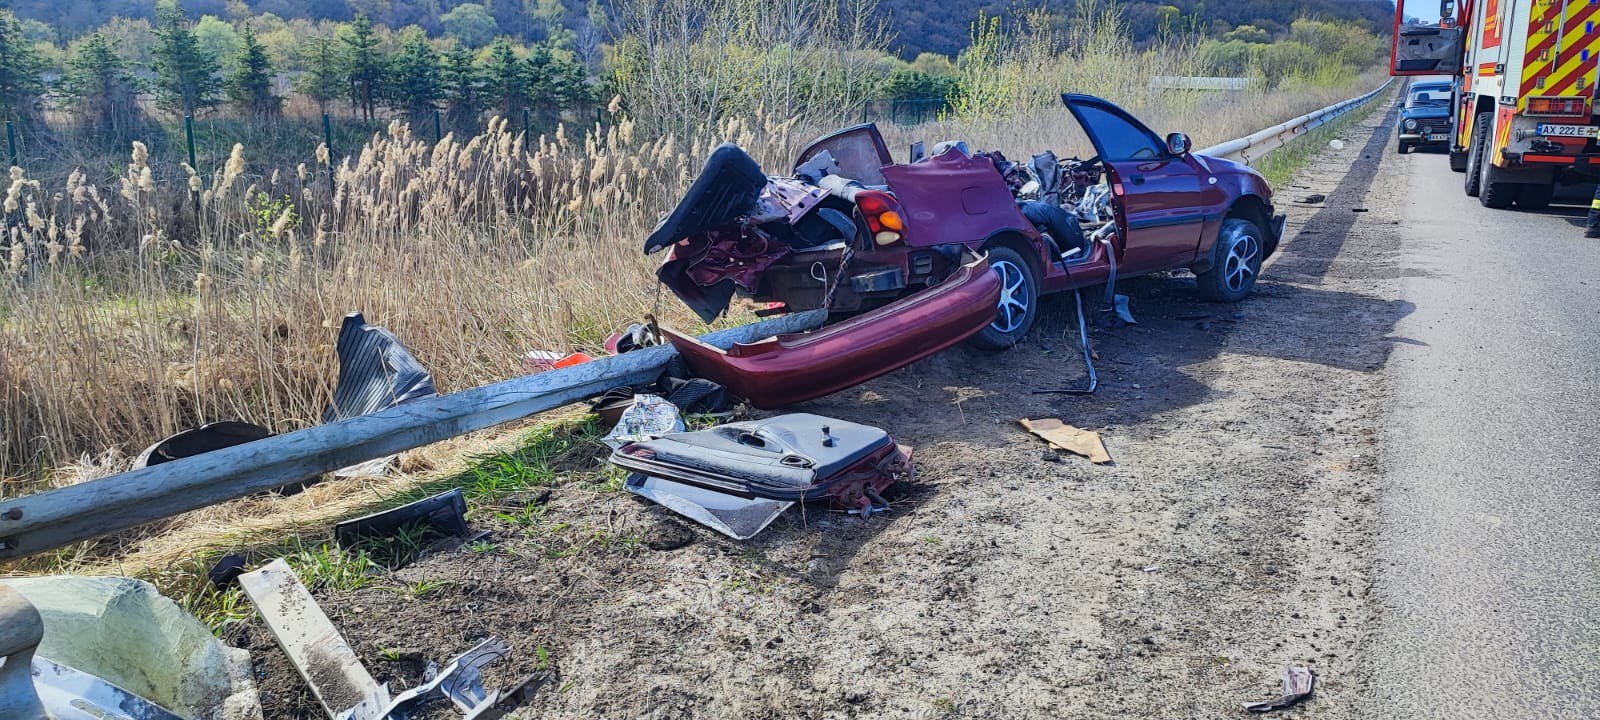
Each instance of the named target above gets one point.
<point>1458,161</point>
<point>1535,197</point>
<point>1475,153</point>
<point>1019,301</point>
<point>1493,195</point>
<point>1403,148</point>
<point>1235,262</point>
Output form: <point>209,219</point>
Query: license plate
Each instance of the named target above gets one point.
<point>1438,137</point>
<point>1582,131</point>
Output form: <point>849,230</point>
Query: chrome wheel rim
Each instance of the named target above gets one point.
<point>1013,308</point>
<point>1239,269</point>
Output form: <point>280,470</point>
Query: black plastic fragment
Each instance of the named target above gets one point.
<point>200,440</point>
<point>376,372</point>
<point>444,515</point>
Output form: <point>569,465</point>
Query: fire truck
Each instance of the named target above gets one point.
<point>1525,77</point>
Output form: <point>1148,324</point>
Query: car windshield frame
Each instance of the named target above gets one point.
<point>1428,97</point>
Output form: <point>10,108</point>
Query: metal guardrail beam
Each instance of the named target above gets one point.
<point>36,523</point>
<point>1253,147</point>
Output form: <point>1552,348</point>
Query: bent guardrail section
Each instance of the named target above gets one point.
<point>36,523</point>
<point>1253,147</point>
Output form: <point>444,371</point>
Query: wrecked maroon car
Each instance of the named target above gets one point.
<point>853,231</point>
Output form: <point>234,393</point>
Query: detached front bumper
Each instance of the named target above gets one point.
<point>788,369</point>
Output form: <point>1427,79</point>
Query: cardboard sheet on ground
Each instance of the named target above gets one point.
<point>1062,436</point>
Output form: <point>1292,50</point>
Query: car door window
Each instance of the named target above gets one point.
<point>1119,139</point>
<point>858,151</point>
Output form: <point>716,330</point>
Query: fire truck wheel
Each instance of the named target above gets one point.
<point>1480,137</point>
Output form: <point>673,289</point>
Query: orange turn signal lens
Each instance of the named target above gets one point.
<point>1560,106</point>
<point>891,221</point>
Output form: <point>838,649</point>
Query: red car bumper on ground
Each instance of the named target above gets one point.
<point>787,369</point>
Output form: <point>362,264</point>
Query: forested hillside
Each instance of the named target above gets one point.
<point>919,26</point>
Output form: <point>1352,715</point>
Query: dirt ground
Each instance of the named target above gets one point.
<point>1229,538</point>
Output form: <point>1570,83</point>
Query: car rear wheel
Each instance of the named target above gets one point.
<point>1019,301</point>
<point>1235,262</point>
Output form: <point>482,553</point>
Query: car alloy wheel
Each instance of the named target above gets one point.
<point>1238,269</point>
<point>1013,309</point>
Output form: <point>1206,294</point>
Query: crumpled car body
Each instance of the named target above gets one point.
<point>787,369</point>
<point>853,231</point>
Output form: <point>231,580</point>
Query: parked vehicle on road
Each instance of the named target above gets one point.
<point>1425,118</point>
<point>1527,72</point>
<point>852,230</point>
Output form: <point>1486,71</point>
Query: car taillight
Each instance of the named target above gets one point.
<point>883,216</point>
<point>1559,106</point>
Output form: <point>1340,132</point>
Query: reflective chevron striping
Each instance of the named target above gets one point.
<point>1542,36</point>
<point>1560,58</point>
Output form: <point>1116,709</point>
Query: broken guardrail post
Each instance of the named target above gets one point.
<point>48,520</point>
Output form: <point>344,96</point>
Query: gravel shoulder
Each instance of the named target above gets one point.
<point>1231,536</point>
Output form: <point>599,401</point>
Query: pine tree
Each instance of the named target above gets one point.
<point>21,72</point>
<point>187,77</point>
<point>507,78</point>
<point>323,80</point>
<point>100,87</point>
<point>462,86</point>
<point>556,80</point>
<point>413,80</point>
<point>363,66</point>
<point>250,84</point>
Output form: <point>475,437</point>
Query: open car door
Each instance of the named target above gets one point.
<point>1423,47</point>
<point>1157,190</point>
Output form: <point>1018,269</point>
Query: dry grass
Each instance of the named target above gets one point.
<point>130,311</point>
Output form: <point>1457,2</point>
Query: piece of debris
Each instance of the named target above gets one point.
<point>634,337</point>
<point>1297,685</point>
<point>444,515</point>
<point>314,646</point>
<point>737,478</point>
<point>461,681</point>
<point>226,570</point>
<point>538,361</point>
<point>118,645</point>
<point>1315,199</point>
<point>376,372</point>
<point>203,439</point>
<point>1194,316</point>
<point>1050,456</point>
<point>1336,144</point>
<point>1359,210</point>
<point>646,418</point>
<point>1062,436</point>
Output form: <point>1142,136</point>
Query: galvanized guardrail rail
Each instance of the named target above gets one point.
<point>44,521</point>
<point>36,523</point>
<point>1254,147</point>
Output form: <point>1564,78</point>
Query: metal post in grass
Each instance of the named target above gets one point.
<point>438,127</point>
<point>527,130</point>
<point>11,142</point>
<point>327,140</point>
<point>188,136</point>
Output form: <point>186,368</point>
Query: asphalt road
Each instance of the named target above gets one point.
<point>1488,560</point>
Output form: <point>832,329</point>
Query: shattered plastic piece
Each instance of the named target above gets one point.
<point>789,458</point>
<point>649,417</point>
<point>1062,436</point>
<point>1313,199</point>
<point>577,358</point>
<point>737,478</point>
<point>314,646</point>
<point>1298,683</point>
<point>461,681</point>
<point>538,361</point>
<point>737,517</point>
<point>125,633</point>
<point>203,439</point>
<point>376,373</point>
<point>444,515</point>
